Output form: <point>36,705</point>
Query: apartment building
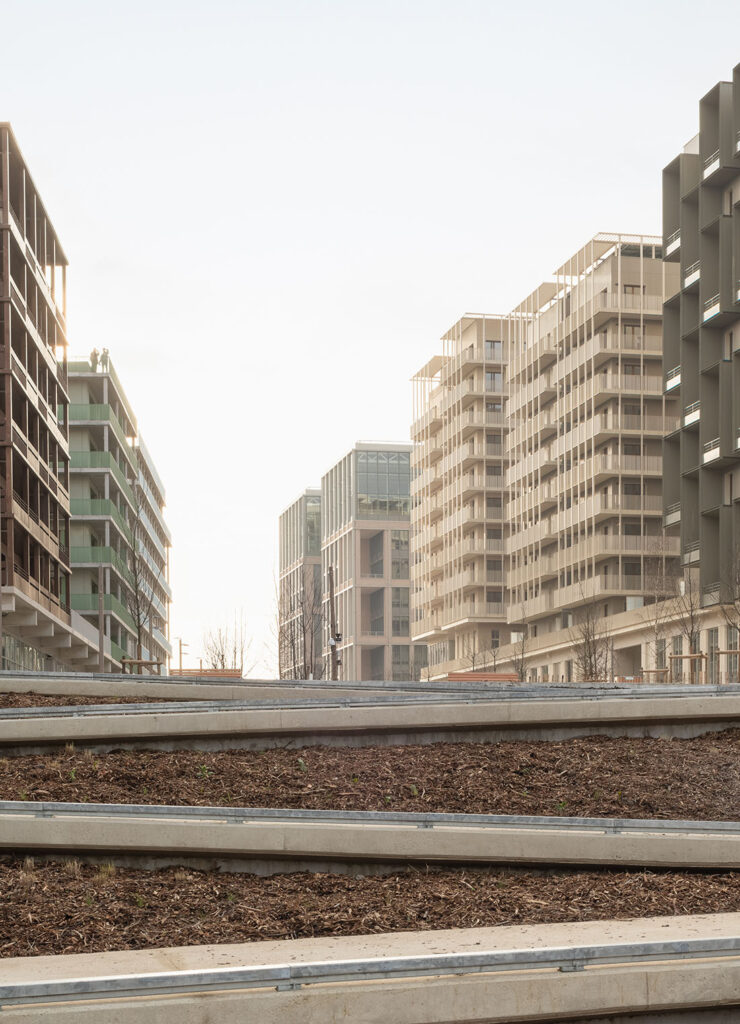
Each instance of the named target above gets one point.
<point>587,414</point>
<point>365,508</point>
<point>118,532</point>
<point>40,631</point>
<point>458,488</point>
<point>538,467</point>
<point>701,220</point>
<point>300,596</point>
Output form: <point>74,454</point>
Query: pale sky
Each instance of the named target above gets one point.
<point>272,211</point>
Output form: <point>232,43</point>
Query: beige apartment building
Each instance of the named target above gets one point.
<point>588,415</point>
<point>365,511</point>
<point>458,489</point>
<point>357,523</point>
<point>574,414</point>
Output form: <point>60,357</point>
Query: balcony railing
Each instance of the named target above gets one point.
<point>100,554</point>
<point>89,603</point>
<point>101,507</point>
<point>713,158</point>
<point>693,269</point>
<point>103,460</point>
<point>709,305</point>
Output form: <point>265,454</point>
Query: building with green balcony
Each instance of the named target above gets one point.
<point>117,529</point>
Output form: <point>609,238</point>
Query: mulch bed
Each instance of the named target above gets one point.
<point>595,776</point>
<point>45,700</point>
<point>53,908</point>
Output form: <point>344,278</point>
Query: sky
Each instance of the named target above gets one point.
<point>273,210</point>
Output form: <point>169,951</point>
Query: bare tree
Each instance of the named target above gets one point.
<point>143,575</point>
<point>730,597</point>
<point>661,585</point>
<point>228,647</point>
<point>471,653</point>
<point>519,641</point>
<point>685,613</point>
<point>591,641</point>
<point>300,616</point>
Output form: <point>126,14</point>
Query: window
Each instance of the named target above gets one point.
<point>494,407</point>
<point>375,554</point>
<point>493,350</point>
<point>660,653</point>
<point>383,485</point>
<point>713,659</point>
<point>400,611</point>
<point>732,659</point>
<point>631,369</point>
<point>632,448</point>
<point>494,508</point>
<point>631,487</point>
<point>400,554</point>
<point>494,380</point>
<point>400,663</point>
<point>495,639</point>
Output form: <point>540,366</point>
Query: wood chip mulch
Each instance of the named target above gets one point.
<point>46,700</point>
<point>598,776</point>
<point>53,908</point>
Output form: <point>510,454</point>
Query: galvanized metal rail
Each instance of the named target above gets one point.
<point>493,696</point>
<point>255,815</point>
<point>272,840</point>
<point>294,976</point>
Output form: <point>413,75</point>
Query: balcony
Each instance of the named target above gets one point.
<point>104,414</point>
<point>711,164</point>
<point>101,508</point>
<point>673,378</point>
<point>692,274</point>
<point>711,308</point>
<point>711,451</point>
<point>672,515</point>
<point>88,603</point>
<point>692,414</point>
<point>673,242</point>
<point>692,553</point>
<point>103,460</point>
<point>100,555</point>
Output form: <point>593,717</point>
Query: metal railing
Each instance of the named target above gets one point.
<point>714,301</point>
<point>712,158</point>
<point>692,269</point>
<point>673,237</point>
<point>336,972</point>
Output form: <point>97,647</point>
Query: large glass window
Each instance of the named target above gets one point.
<point>313,526</point>
<point>383,485</point>
<point>400,611</point>
<point>494,380</point>
<point>493,350</point>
